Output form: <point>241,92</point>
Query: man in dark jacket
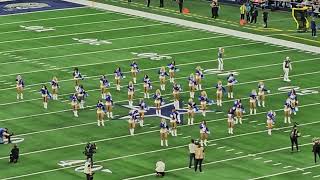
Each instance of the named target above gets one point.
<point>180,3</point>
<point>316,149</point>
<point>14,155</point>
<point>294,137</point>
<point>265,16</point>
<point>313,27</point>
<point>161,3</point>
<point>254,15</point>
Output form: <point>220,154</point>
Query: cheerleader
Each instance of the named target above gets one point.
<point>192,85</point>
<point>45,96</point>
<point>54,86</point>
<point>175,119</point>
<point>158,101</point>
<point>231,81</point>
<point>162,77</point>
<point>220,59</point>
<point>164,129</point>
<point>74,104</point>
<point>294,101</point>
<point>287,111</point>
<point>146,86</point>
<point>172,69</point>
<point>20,86</point>
<point>100,113</point>
<point>204,131</point>
<point>82,94</point>
<point>199,77</point>
<point>134,71</point>
<point>271,115</point>
<point>176,94</point>
<point>132,120</point>
<point>253,100</point>
<point>220,91</point>
<point>239,111</point>
<point>231,120</point>
<point>261,94</point>
<point>130,93</point>
<point>118,75</point>
<point>142,108</point>
<point>203,102</point>
<point>192,108</point>
<point>109,104</point>
<point>77,77</point>
<point>104,85</point>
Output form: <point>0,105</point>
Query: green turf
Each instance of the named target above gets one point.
<point>54,135</point>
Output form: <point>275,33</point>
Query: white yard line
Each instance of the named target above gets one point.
<point>238,152</point>
<point>267,161</point>
<point>229,150</point>
<point>257,158</point>
<point>316,176</point>
<point>305,173</point>
<point>276,164</point>
<point>306,136</point>
<point>221,147</point>
<point>185,137</point>
<point>286,167</point>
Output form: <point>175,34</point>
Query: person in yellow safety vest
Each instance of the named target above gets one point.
<point>242,11</point>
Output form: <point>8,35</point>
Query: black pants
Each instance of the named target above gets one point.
<point>315,156</point>
<point>89,177</point>
<point>214,12</point>
<point>196,163</point>
<point>253,19</point>
<point>13,159</point>
<point>265,21</point>
<point>180,7</point>
<point>314,32</point>
<point>191,158</point>
<point>294,141</point>
<point>241,16</point>
<point>248,17</point>
<point>148,3</point>
<point>160,174</point>
<point>161,3</point>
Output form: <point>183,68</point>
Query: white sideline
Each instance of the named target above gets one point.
<point>148,132</point>
<point>196,25</point>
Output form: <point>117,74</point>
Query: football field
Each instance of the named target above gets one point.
<point>41,45</point>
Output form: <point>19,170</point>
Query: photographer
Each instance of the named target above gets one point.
<point>89,150</point>
<point>88,170</point>
<point>5,136</point>
<point>14,155</point>
<point>316,149</point>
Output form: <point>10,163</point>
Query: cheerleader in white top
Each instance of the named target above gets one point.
<point>294,101</point>
<point>176,94</point>
<point>174,120</point>
<point>164,130</point>
<point>239,111</point>
<point>158,101</point>
<point>54,87</point>
<point>74,104</point>
<point>142,108</point>
<point>203,98</point>
<point>82,94</point>
<point>104,85</point>
<point>146,86</point>
<point>231,81</point>
<point>162,78</point>
<point>199,77</point>
<point>230,120</point>
<point>100,113</point>
<point>220,90</point>
<point>130,93</point>
<point>77,77</point>
<point>45,96</point>
<point>172,69</point>
<point>252,101</point>
<point>192,85</point>
<point>271,117</point>
<point>192,108</point>
<point>220,58</point>
<point>118,75</point>
<point>20,87</point>
<point>262,91</point>
<point>204,132</point>
<point>134,71</point>
<point>134,115</point>
<point>287,111</point>
<point>109,104</point>
<point>286,66</point>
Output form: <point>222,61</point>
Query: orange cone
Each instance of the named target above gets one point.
<point>185,11</point>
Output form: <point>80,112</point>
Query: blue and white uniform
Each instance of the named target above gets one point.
<point>130,89</point>
<point>192,107</point>
<point>54,84</point>
<point>134,67</point>
<point>109,101</point>
<point>19,83</point>
<point>104,83</point>
<point>147,83</point>
<point>118,74</point>
<point>45,92</point>
<point>231,80</point>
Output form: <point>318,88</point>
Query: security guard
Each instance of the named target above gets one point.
<point>316,149</point>
<point>180,2</point>
<point>294,137</point>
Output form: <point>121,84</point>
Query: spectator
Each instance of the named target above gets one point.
<point>248,10</point>
<point>265,16</point>
<point>192,148</point>
<point>14,155</point>
<point>242,11</point>
<point>214,9</point>
<point>199,155</point>
<point>160,167</point>
<point>254,15</point>
<point>313,27</point>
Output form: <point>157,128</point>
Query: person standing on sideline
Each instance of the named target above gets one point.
<point>294,137</point>
<point>286,66</point>
<point>199,156</point>
<point>248,10</point>
<point>14,155</point>
<point>161,3</point>
<point>242,11</point>
<point>88,170</point>
<point>313,27</point>
<point>214,9</point>
<point>265,16</point>
<point>148,3</point>
<point>316,149</point>
<point>220,59</point>
<point>180,3</point>
<point>254,15</point>
<point>192,148</point>
<point>160,167</point>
